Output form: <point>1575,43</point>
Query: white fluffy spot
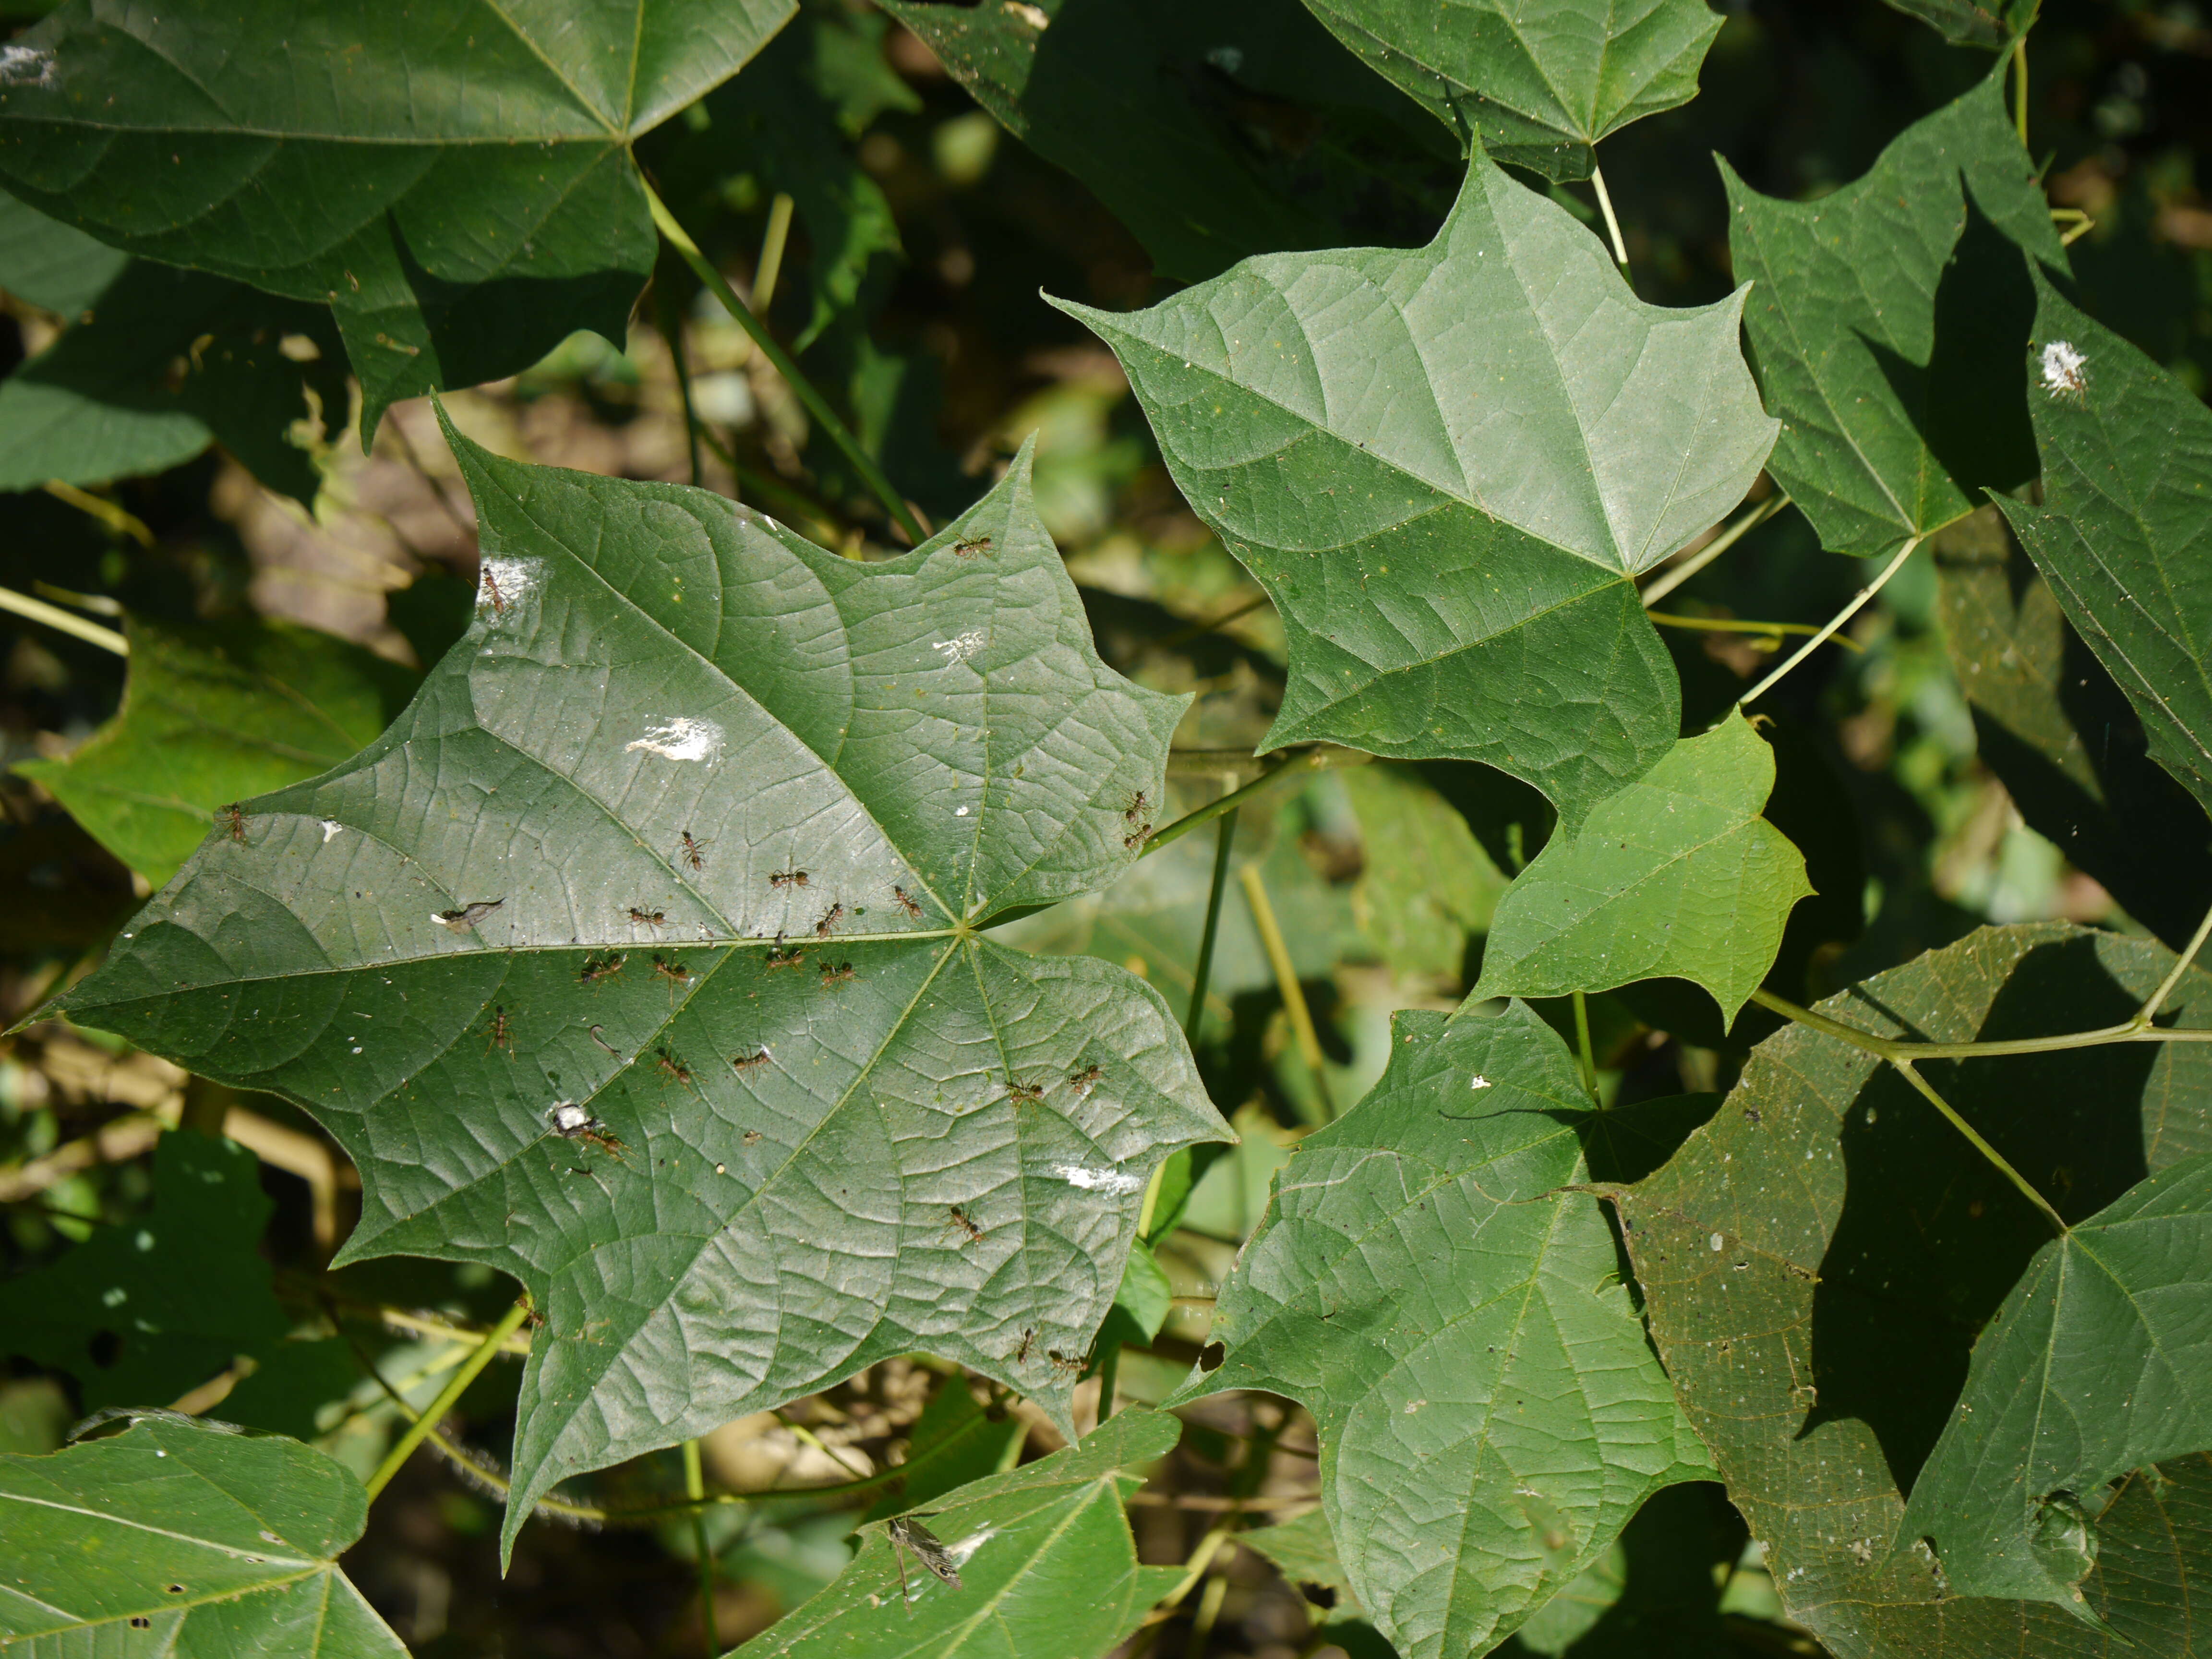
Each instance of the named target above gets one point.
<point>568,1117</point>
<point>503,584</point>
<point>1714,1242</point>
<point>2062,369</point>
<point>1036,16</point>
<point>963,1552</point>
<point>681,739</point>
<point>1117,1181</point>
<point>28,66</point>
<point>331,827</point>
<point>961,646</point>
<point>961,813</point>
<point>1478,1081</point>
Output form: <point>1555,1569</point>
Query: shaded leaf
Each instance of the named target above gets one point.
<point>2099,1362</point>
<point>1304,1552</point>
<point>1489,1414</point>
<point>1048,1569</point>
<point>1968,23</point>
<point>1538,85</point>
<point>1445,465</point>
<point>2127,469</point>
<point>463,198</point>
<point>1886,323</point>
<point>1212,133</point>
<point>1428,887</point>
<point>178,1537</point>
<point>1677,876</point>
<point>55,266</point>
<point>212,714</point>
<point>1817,1260</point>
<point>525,957</point>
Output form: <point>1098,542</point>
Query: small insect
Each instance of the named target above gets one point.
<point>598,1038</point>
<point>597,968</point>
<point>909,1535</point>
<point>1022,1353</point>
<point>674,972</point>
<point>1135,809</point>
<point>1751,1112</point>
<point>834,976</point>
<point>671,1068</point>
<point>501,1030</point>
<point>829,919</point>
<point>1024,1094</point>
<point>1062,1363</point>
<point>752,1137</point>
<point>752,1062</point>
<point>695,852</point>
<point>1136,838</point>
<point>573,1123</point>
<point>232,819</point>
<point>779,958</point>
<point>492,593</point>
<point>468,916</point>
<point>648,917</point>
<point>787,878</point>
<point>906,902</point>
<point>1084,1082</point>
<point>961,1223</point>
<point>969,547</point>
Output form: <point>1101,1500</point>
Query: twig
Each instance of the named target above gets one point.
<point>1286,981</point>
<point>99,507</point>
<point>55,617</point>
<point>455,1387</point>
<point>1675,574</point>
<point>1307,760</point>
<point>1833,622</point>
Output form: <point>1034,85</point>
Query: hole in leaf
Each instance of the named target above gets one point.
<point>1211,1356</point>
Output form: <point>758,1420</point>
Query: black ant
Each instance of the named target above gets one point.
<point>597,968</point>
<point>232,819</point>
<point>695,852</point>
<point>1136,808</point>
<point>835,976</point>
<point>959,1219</point>
<point>500,1030</point>
<point>787,878</point>
<point>829,919</point>
<point>1136,838</point>
<point>967,547</point>
<point>1022,1353</point>
<point>1062,1364</point>
<point>906,902</point>
<point>1084,1082</point>
<point>649,918</point>
<point>672,1068</point>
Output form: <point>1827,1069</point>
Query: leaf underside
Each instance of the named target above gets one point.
<point>541,959</point>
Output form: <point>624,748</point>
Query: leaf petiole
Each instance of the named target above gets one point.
<point>1904,1069</point>
<point>455,1387</point>
<point>1858,602</point>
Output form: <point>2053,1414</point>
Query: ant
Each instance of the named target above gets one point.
<point>838,976</point>
<point>779,958</point>
<point>959,1219</point>
<point>1136,838</point>
<point>906,902</point>
<point>751,1062</point>
<point>674,972</point>
<point>1062,1364</point>
<point>649,918</point>
<point>1135,809</point>
<point>695,852</point>
<point>968,547</point>
<point>500,1029</point>
<point>787,878</point>
<point>829,919</point>
<point>1024,1094</point>
<point>1084,1082</point>
<point>232,819</point>
<point>1022,1353</point>
<point>492,587</point>
<point>596,968</point>
<point>671,1067</point>
<point>572,1123</point>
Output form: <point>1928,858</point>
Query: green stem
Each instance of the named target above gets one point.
<point>769,266</point>
<point>695,1488</point>
<point>1833,622</point>
<point>455,1387</point>
<point>1605,206</point>
<point>1286,981</point>
<point>1904,1069</point>
<point>2019,85</point>
<point>2137,1029</point>
<point>1583,1051</point>
<point>1737,625</point>
<point>1675,576</point>
<point>54,617</point>
<point>671,330</point>
<point>1223,837</point>
<point>1309,760</point>
<point>816,404</point>
<point>1109,1377</point>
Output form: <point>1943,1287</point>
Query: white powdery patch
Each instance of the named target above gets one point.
<point>681,739</point>
<point>1479,1081</point>
<point>1120,1183</point>
<point>566,1117</point>
<point>503,584</point>
<point>28,66</point>
<point>960,647</point>
<point>331,827</point>
<point>2062,369</point>
<point>962,1552</point>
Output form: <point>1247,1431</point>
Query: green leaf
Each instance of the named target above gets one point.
<point>211,714</point>
<point>1151,103</point>
<point>1966,23</point>
<point>1677,876</point>
<point>2127,468</point>
<point>1489,1414</point>
<point>49,264</point>
<point>1816,1260</point>
<point>462,197</point>
<point>957,1441</point>
<point>2099,1362</point>
<point>664,704</point>
<point>1886,323</point>
<point>1427,886</point>
<point>1445,465</point>
<point>178,1537</point>
<point>1048,1569</point>
<point>1304,1552</point>
<point>2064,741</point>
<point>140,1315</point>
<point>1537,90</point>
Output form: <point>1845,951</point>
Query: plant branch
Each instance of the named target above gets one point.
<point>1585,1058</point>
<point>695,1488</point>
<point>1833,622</point>
<point>769,265</point>
<point>1286,981</point>
<point>1317,759</point>
<point>455,1387</point>
<point>2019,85</point>
<point>2145,1014</point>
<point>2136,1029</point>
<point>1605,206</point>
<point>1774,630</point>
<point>64,622</point>
<point>803,389</point>
<point>99,507</point>
<point>1224,836</point>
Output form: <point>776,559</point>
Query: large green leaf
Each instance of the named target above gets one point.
<point>1817,1261</point>
<point>186,1538</point>
<point>1886,323</point>
<point>1677,876</point>
<point>667,708</point>
<point>1445,465</point>
<point>52,264</point>
<point>2099,1362</point>
<point>1212,132</point>
<point>141,1314</point>
<point>1535,84</point>
<point>212,714</point>
<point>1489,1414</point>
<point>453,178</point>
<point>2127,472</point>
<point>1048,1569</point>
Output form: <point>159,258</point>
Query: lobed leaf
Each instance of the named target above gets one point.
<point>1885,326</point>
<point>1677,876</point>
<point>2127,463</point>
<point>1489,1411</point>
<point>179,1536</point>
<point>1536,85</point>
<point>1817,1260</point>
<point>1445,465</point>
<point>525,956</point>
<point>1048,1569</point>
<point>453,178</point>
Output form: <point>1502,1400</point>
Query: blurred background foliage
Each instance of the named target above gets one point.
<point>896,237</point>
